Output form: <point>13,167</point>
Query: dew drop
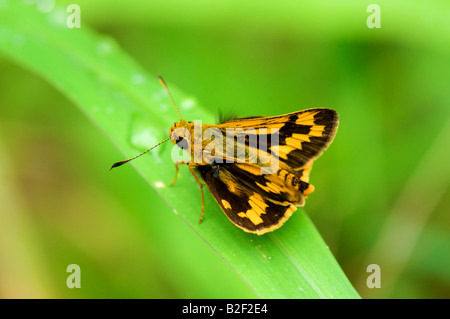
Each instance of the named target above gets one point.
<point>57,17</point>
<point>156,96</point>
<point>138,79</point>
<point>144,135</point>
<point>164,107</point>
<point>187,104</point>
<point>159,184</point>
<point>109,110</point>
<point>105,46</point>
<point>45,6</point>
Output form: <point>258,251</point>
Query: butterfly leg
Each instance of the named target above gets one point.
<point>176,171</point>
<point>201,190</point>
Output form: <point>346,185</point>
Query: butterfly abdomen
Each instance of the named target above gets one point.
<point>295,181</point>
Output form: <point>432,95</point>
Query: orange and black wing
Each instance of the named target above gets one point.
<point>302,136</point>
<point>257,203</point>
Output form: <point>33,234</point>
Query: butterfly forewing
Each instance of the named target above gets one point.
<point>302,135</point>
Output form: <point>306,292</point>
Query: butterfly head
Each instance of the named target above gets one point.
<point>180,133</point>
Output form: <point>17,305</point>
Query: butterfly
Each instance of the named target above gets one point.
<point>256,168</point>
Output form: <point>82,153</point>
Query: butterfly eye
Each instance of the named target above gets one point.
<point>182,142</point>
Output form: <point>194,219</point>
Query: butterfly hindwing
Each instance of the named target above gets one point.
<point>254,202</point>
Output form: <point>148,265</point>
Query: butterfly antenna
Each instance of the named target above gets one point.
<point>170,95</point>
<point>130,159</point>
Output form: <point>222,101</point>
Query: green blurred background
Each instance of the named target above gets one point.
<point>382,189</point>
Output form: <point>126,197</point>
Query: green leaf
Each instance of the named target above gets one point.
<point>134,111</point>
